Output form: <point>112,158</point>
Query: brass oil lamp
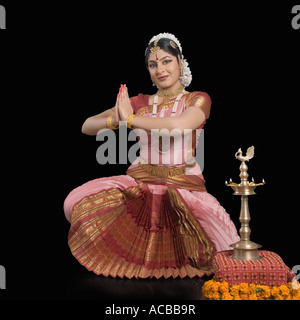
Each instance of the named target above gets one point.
<point>244,249</point>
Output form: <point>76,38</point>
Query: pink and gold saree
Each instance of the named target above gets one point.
<point>157,220</point>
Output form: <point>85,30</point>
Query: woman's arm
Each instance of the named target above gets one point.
<point>191,118</point>
<point>93,124</point>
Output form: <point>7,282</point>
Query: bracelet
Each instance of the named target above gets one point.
<point>109,123</point>
<point>129,120</point>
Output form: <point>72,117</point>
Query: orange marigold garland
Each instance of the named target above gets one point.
<point>215,290</point>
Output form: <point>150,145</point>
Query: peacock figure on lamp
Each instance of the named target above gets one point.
<point>244,249</point>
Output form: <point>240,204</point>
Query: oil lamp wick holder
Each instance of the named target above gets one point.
<point>244,249</point>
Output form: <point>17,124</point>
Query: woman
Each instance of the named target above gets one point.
<point>157,220</point>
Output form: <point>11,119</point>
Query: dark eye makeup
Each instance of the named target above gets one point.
<point>153,64</point>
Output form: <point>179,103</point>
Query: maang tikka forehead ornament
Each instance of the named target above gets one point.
<point>155,47</point>
<point>186,77</point>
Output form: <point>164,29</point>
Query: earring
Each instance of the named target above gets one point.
<point>181,75</point>
<point>153,84</point>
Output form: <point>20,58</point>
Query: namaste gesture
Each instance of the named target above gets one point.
<point>123,104</point>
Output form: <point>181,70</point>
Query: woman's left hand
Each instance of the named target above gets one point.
<point>124,104</point>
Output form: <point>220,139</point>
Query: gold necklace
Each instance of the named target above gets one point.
<point>170,94</point>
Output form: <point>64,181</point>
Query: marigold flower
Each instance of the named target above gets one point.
<point>224,287</point>
<point>274,291</point>
<point>227,296</point>
<point>235,290</point>
<point>262,292</point>
<point>284,291</point>
<point>244,288</point>
<point>216,296</point>
<point>252,289</point>
<point>215,290</point>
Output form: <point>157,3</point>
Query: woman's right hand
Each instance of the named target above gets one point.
<point>116,118</point>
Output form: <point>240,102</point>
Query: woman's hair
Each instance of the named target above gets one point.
<point>166,45</point>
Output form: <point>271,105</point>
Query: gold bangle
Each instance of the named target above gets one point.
<point>129,120</point>
<point>109,123</point>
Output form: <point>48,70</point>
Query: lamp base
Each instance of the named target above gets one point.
<point>245,250</point>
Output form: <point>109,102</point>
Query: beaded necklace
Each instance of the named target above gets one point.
<point>170,94</point>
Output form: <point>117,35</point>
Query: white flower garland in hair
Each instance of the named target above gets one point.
<point>168,36</point>
<point>186,77</point>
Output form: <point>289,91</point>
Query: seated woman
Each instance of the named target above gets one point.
<point>158,220</point>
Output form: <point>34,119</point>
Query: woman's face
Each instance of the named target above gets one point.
<point>164,70</point>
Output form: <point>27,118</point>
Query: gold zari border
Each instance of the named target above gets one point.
<point>114,243</point>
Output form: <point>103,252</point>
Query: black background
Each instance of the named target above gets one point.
<point>61,63</point>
